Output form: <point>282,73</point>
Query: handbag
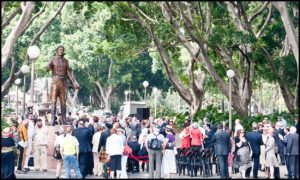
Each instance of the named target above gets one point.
<point>56,153</point>
<point>127,149</point>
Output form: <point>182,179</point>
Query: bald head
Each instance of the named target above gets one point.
<point>69,130</point>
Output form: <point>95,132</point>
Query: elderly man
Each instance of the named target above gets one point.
<point>153,145</point>
<point>293,153</point>
<point>40,146</point>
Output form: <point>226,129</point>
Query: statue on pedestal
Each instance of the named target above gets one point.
<point>60,73</point>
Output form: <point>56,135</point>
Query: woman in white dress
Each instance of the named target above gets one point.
<point>168,167</point>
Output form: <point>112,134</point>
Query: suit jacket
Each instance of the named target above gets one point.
<point>135,146</point>
<point>207,141</point>
<point>293,144</point>
<point>255,140</point>
<point>103,139</point>
<point>221,141</point>
<point>276,138</point>
<point>84,137</point>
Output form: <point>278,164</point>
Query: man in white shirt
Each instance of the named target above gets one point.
<point>30,133</point>
<point>40,146</point>
<point>154,153</point>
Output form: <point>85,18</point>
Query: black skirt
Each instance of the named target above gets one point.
<point>115,162</point>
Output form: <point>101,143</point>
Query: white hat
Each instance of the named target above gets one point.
<point>120,129</point>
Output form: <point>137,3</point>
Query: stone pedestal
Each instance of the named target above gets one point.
<point>51,139</point>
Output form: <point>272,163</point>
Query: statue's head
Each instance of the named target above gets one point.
<point>60,51</point>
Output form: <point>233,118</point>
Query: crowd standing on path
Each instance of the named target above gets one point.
<point>111,147</point>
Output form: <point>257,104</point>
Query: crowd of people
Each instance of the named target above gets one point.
<point>92,145</point>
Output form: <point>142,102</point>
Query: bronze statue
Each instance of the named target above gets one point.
<point>60,73</point>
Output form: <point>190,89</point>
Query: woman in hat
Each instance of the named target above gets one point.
<point>7,156</point>
<point>121,132</point>
<point>168,167</point>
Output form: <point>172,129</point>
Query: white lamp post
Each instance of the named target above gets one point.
<point>155,92</point>
<point>230,75</point>
<point>25,70</point>
<point>145,84</point>
<point>17,82</point>
<point>33,53</point>
<point>126,93</point>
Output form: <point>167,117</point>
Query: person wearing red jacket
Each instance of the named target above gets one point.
<point>197,137</point>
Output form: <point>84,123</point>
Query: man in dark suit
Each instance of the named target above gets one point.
<point>222,146</point>
<point>208,135</point>
<point>293,153</point>
<point>135,146</point>
<point>255,140</point>
<point>84,137</point>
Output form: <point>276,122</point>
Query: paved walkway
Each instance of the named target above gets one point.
<point>142,175</point>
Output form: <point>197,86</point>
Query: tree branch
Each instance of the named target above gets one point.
<point>34,17</point>
<point>8,20</point>
<point>3,4</point>
<point>147,17</point>
<point>261,9</point>
<point>7,48</point>
<point>166,60</point>
<point>266,23</point>
<point>45,26</point>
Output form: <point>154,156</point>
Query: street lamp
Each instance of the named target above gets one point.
<point>33,53</point>
<point>25,70</point>
<point>126,93</point>
<point>17,82</point>
<point>145,84</point>
<point>230,75</point>
<point>155,97</point>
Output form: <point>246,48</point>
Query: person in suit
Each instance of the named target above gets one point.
<point>284,141</point>
<point>84,137</point>
<point>293,153</point>
<point>255,140</point>
<point>222,146</point>
<point>135,146</point>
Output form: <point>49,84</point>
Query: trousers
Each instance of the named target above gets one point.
<point>157,156</point>
<point>28,152</point>
<point>223,166</point>
<point>40,156</point>
<point>21,158</point>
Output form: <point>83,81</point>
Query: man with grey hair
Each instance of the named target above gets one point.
<point>293,153</point>
<point>153,145</point>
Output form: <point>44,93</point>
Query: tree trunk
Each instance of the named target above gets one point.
<point>6,50</point>
<point>107,102</point>
<point>285,91</point>
<point>292,39</point>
